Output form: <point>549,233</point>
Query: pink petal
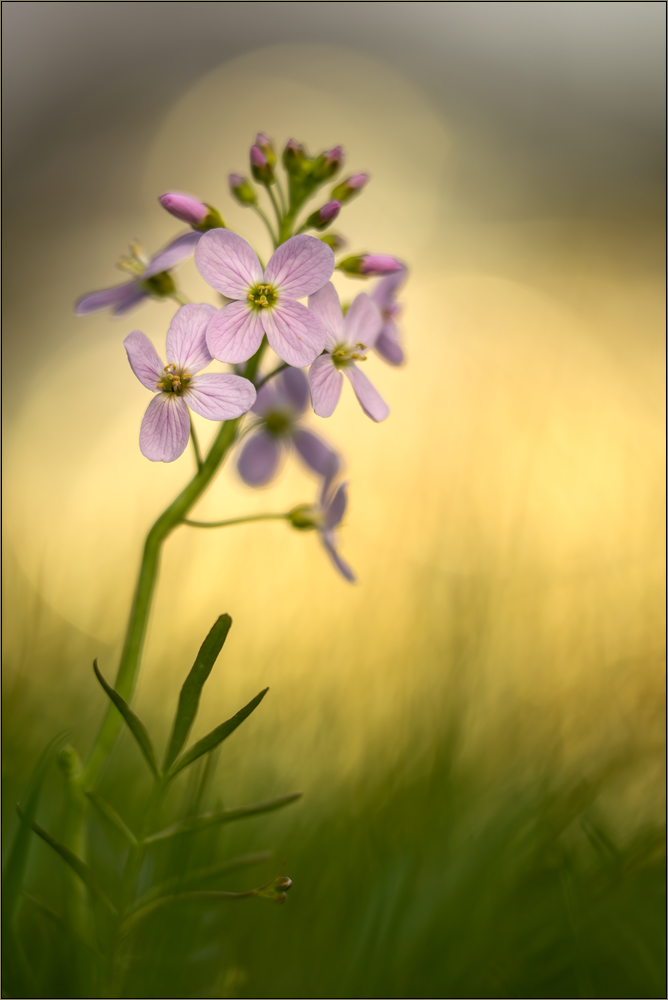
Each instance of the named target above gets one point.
<point>118,297</point>
<point>363,321</point>
<point>330,547</point>
<point>293,332</point>
<point>317,455</point>
<point>386,289</point>
<point>235,332</point>
<point>300,266</point>
<point>292,389</point>
<point>144,359</point>
<point>220,397</point>
<point>227,263</point>
<point>258,460</point>
<point>388,345</point>
<point>165,428</point>
<point>325,382</point>
<point>369,398</point>
<point>336,507</point>
<point>186,339</point>
<point>326,306</point>
<point>178,250</point>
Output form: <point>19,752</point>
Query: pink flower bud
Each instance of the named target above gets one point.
<point>263,142</point>
<point>350,187</point>
<point>185,208</point>
<point>375,264</point>
<point>258,159</point>
<point>260,166</point>
<point>329,211</point>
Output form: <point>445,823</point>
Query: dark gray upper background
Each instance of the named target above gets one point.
<point>571,94</point>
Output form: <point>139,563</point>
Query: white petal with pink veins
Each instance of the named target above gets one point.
<point>363,321</point>
<point>293,332</point>
<point>369,398</point>
<point>234,333</point>
<point>300,266</point>
<point>144,359</point>
<point>220,397</point>
<point>165,428</point>
<point>186,339</point>
<point>325,382</point>
<point>227,263</point>
<point>326,306</point>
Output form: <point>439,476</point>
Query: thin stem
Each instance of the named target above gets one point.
<point>267,223</point>
<point>193,438</point>
<point>279,214</point>
<point>235,520</point>
<point>179,297</point>
<point>281,196</point>
<point>263,381</point>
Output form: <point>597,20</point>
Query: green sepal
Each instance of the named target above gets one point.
<point>107,811</point>
<point>213,220</point>
<point>12,876</point>
<point>137,728</point>
<point>195,823</point>
<point>192,688</point>
<point>216,736</point>
<point>85,873</point>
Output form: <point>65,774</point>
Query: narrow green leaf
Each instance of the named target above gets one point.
<point>199,875</point>
<point>192,688</point>
<point>196,823</point>
<point>56,919</point>
<point>86,874</point>
<point>137,728</point>
<point>216,736</point>
<point>205,895</point>
<point>15,866</point>
<point>107,811</point>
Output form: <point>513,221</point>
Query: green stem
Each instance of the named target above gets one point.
<point>285,231</point>
<point>263,381</point>
<point>267,223</point>
<point>281,196</point>
<point>236,520</point>
<point>181,299</point>
<point>272,196</point>
<point>193,438</point>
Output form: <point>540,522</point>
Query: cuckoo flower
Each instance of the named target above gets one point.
<point>325,516</point>
<point>266,302</point>
<point>165,428</point>
<point>279,405</point>
<point>347,339</point>
<point>151,278</point>
<point>388,344</point>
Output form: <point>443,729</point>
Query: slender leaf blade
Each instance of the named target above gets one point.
<point>195,823</point>
<point>12,877</point>
<point>85,873</point>
<point>189,879</point>
<point>107,811</point>
<point>217,735</point>
<point>137,728</point>
<point>192,688</point>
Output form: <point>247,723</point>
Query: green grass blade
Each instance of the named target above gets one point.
<point>15,866</point>
<point>86,874</point>
<point>196,823</point>
<point>192,688</point>
<point>107,811</point>
<point>137,728</point>
<point>190,879</point>
<point>216,736</point>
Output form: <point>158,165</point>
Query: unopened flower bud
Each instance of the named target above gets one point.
<point>295,160</point>
<point>283,883</point>
<point>70,762</point>
<point>347,189</point>
<point>264,143</point>
<point>260,166</point>
<point>197,214</point>
<point>328,164</point>
<point>334,241</point>
<point>323,216</point>
<point>304,517</point>
<point>367,265</point>
<point>242,190</point>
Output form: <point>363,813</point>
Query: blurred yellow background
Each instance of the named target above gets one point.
<point>506,521</point>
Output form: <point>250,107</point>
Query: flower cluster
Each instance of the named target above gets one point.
<point>264,307</point>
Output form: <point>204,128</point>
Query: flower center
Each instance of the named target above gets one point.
<point>174,380</point>
<point>136,262</point>
<point>262,297</point>
<point>344,354</point>
<point>278,422</point>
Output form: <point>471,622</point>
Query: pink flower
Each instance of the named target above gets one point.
<point>266,302</point>
<point>279,405</point>
<point>165,428</point>
<point>152,278</point>
<point>370,265</point>
<point>384,295</point>
<point>325,516</point>
<point>347,339</point>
